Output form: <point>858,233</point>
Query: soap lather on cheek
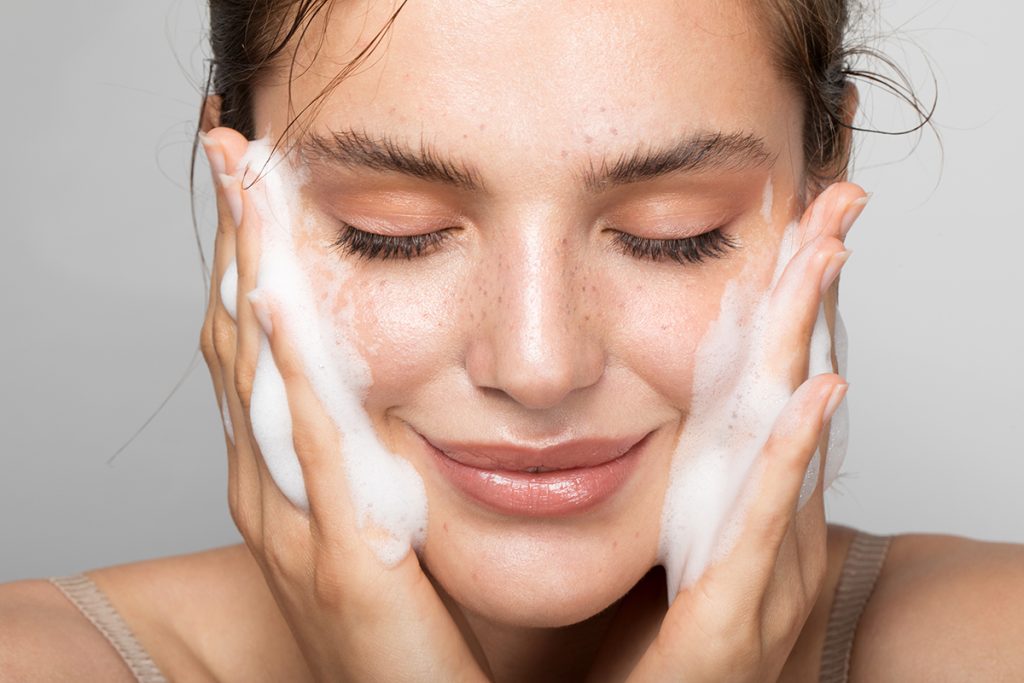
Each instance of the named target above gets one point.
<point>734,407</point>
<point>387,493</point>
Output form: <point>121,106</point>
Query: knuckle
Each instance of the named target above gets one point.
<point>222,337</point>
<point>245,521</point>
<point>206,343</point>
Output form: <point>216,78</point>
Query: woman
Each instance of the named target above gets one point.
<point>553,244</point>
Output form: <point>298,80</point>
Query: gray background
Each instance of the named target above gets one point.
<point>101,296</point>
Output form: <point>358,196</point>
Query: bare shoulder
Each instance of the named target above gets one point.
<point>43,637</point>
<point>944,608</point>
<point>201,617</point>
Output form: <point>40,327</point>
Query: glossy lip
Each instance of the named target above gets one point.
<point>512,490</point>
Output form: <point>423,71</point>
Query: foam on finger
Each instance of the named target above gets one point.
<point>735,404</point>
<point>229,289</point>
<point>386,492</point>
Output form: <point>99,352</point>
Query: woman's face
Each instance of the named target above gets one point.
<point>568,131</point>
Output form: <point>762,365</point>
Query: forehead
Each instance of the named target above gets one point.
<point>538,82</point>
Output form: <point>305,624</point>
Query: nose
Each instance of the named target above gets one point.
<point>536,341</point>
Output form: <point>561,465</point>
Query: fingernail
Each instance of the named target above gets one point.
<point>834,399</point>
<point>262,311</point>
<point>835,264</point>
<point>853,211</point>
<point>214,154</point>
<point>233,195</point>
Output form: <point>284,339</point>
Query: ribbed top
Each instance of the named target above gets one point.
<point>94,605</point>
<point>863,563</point>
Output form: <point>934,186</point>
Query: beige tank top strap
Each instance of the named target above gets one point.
<point>94,605</point>
<point>863,563</point>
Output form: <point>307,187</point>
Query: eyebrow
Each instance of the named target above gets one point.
<point>359,151</point>
<point>693,153</point>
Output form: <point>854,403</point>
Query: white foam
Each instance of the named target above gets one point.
<point>386,491</point>
<point>736,403</point>
<point>229,290</point>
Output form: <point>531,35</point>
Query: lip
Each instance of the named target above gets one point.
<point>588,472</point>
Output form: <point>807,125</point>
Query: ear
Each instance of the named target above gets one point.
<point>210,116</point>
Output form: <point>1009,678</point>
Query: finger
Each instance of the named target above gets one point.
<point>247,256</point>
<point>797,298</point>
<point>794,305</point>
<point>227,146</point>
<point>316,439</point>
<point>779,473</point>
<point>207,339</point>
<point>833,212</point>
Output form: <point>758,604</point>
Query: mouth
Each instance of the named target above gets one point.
<point>548,481</point>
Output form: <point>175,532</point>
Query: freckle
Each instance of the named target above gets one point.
<point>614,131</point>
<point>482,126</point>
<point>499,299</point>
<point>615,544</point>
<point>565,153</point>
<point>586,318</point>
<point>601,109</point>
<point>587,139</point>
<point>593,288</point>
<point>465,135</point>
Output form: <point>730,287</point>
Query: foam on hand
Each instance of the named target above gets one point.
<point>735,405</point>
<point>386,492</point>
<point>229,298</point>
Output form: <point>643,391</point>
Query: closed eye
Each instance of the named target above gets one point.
<point>373,245</point>
<point>684,250</point>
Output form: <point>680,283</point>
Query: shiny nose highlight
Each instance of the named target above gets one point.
<point>536,344</point>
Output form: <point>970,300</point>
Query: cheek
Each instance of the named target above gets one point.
<point>657,327</point>
<point>404,331</point>
<point>398,328</point>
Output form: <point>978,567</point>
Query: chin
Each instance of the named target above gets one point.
<point>539,575</point>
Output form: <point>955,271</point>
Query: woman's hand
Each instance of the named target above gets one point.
<point>740,620</point>
<point>353,618</point>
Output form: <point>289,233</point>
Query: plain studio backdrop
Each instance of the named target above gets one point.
<point>102,298</point>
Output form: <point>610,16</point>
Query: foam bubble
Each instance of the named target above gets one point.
<point>735,404</point>
<point>386,491</point>
<point>229,290</point>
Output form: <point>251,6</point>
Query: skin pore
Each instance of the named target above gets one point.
<point>531,320</point>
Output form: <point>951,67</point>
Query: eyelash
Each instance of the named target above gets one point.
<point>684,250</point>
<point>372,245</point>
